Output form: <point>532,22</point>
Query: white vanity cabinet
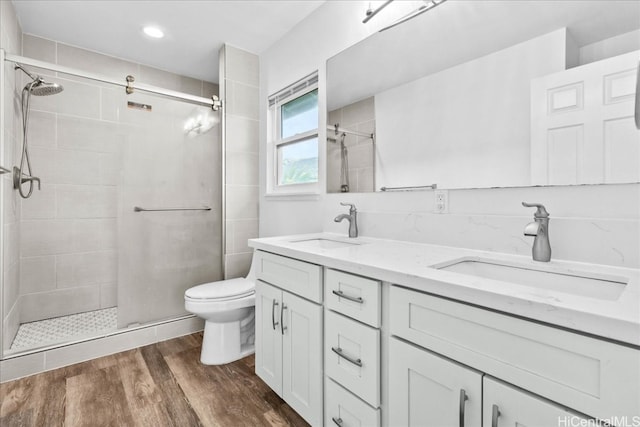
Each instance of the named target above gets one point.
<point>288,338</point>
<point>426,389</point>
<point>393,351</point>
<point>588,375</point>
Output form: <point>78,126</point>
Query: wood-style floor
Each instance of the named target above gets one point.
<point>163,384</point>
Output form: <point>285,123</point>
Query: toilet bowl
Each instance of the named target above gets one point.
<point>227,306</point>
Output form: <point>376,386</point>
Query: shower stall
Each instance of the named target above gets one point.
<point>114,207</point>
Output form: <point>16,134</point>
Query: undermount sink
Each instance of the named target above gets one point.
<point>324,243</point>
<point>592,285</point>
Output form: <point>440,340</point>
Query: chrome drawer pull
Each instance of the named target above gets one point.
<point>282,327</point>
<point>338,421</point>
<point>494,416</point>
<point>463,399</point>
<point>274,304</point>
<point>349,297</point>
<point>338,351</point>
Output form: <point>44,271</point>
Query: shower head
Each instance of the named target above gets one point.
<point>42,88</point>
<point>38,86</point>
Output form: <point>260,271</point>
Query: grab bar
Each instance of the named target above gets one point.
<point>4,170</point>
<point>417,187</point>
<point>139,209</point>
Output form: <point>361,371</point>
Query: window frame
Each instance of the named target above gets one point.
<point>274,143</point>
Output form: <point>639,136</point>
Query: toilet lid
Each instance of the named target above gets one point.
<point>223,289</point>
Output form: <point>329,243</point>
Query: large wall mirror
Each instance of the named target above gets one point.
<point>477,94</point>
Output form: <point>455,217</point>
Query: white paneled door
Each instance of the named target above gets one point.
<point>582,124</point>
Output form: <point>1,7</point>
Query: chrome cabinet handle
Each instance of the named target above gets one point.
<point>337,421</point>
<point>338,351</point>
<point>637,107</point>
<point>463,399</point>
<point>273,314</point>
<point>494,416</point>
<point>282,327</point>
<point>349,297</point>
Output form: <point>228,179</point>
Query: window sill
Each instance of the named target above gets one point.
<point>292,196</point>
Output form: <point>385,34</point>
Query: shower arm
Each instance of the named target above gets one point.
<point>19,66</point>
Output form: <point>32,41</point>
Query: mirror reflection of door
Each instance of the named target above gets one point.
<point>458,100</point>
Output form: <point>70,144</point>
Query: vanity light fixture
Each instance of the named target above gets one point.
<point>370,13</point>
<point>153,32</point>
<point>429,4</point>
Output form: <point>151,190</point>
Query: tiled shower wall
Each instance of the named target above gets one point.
<point>240,70</point>
<point>11,42</point>
<point>358,117</point>
<point>68,231</point>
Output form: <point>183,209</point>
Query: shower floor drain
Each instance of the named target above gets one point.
<point>36,334</point>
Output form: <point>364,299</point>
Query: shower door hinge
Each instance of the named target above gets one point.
<point>129,88</point>
<point>216,103</point>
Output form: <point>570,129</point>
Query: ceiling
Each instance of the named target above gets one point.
<point>194,30</point>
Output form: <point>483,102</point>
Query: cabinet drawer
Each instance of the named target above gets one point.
<point>352,356</point>
<point>344,409</point>
<point>353,296</point>
<point>298,277</point>
<point>583,373</point>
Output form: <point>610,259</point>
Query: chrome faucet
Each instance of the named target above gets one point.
<point>539,228</point>
<point>352,218</point>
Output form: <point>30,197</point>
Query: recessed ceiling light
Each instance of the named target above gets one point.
<point>154,32</point>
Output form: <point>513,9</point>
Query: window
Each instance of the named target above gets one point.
<point>293,147</point>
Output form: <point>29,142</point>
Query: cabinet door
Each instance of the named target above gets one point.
<point>507,406</point>
<point>428,390</point>
<point>302,357</point>
<point>268,340</point>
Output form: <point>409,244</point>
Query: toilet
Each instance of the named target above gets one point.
<point>228,308</point>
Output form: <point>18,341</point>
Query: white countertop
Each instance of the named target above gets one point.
<point>411,265</point>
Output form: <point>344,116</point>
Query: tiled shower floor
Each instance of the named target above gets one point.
<point>36,334</point>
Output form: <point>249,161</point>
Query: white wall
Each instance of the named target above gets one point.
<point>588,223</point>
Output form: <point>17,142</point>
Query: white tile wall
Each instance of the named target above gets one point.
<point>242,135</point>
<point>240,71</point>
<point>68,231</point>
<point>60,302</point>
<point>38,274</point>
<point>11,42</point>
<point>83,269</point>
<point>242,99</point>
<point>595,224</point>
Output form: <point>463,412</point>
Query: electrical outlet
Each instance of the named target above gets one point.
<point>442,201</point>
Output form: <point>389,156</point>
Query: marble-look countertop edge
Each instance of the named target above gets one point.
<point>411,267</point>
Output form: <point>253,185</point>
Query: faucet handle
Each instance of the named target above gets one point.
<point>540,213</point>
<point>352,207</point>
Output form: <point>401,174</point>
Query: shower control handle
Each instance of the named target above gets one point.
<point>274,304</point>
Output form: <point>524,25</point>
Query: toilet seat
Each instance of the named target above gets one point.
<point>221,291</point>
